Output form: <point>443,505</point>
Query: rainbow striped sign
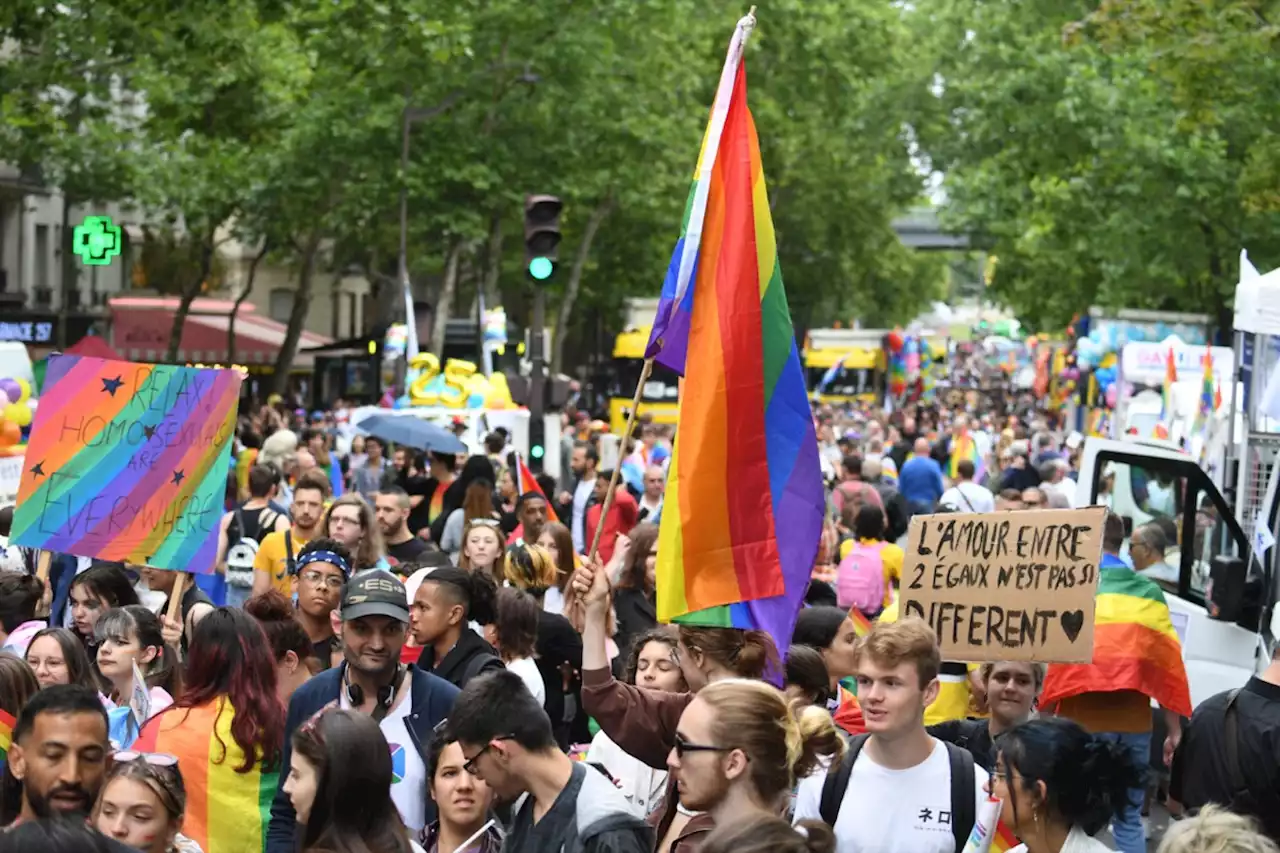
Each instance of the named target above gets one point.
<point>129,462</point>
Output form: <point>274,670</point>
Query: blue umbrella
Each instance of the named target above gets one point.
<point>413,432</point>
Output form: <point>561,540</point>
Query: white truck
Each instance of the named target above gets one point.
<point>1224,599</point>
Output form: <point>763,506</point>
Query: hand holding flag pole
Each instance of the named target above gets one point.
<point>574,613</point>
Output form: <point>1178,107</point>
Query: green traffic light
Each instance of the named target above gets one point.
<point>540,268</point>
<point>536,451</point>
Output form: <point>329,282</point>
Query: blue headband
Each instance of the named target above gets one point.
<point>329,557</point>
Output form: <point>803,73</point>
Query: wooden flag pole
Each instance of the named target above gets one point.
<point>622,446</point>
<point>175,604</point>
<point>43,564</point>
<point>574,611</point>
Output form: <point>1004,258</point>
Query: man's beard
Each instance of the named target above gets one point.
<point>43,806</point>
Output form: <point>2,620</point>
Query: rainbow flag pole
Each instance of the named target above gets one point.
<point>724,325</point>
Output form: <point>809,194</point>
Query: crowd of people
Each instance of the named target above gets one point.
<point>403,651</point>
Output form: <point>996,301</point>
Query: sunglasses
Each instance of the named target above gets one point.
<point>484,522</point>
<point>683,746</point>
<point>155,759</point>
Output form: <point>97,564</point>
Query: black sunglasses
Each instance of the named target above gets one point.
<point>683,746</point>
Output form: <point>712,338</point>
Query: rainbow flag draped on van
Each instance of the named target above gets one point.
<point>745,464</point>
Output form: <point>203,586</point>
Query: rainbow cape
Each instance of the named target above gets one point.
<point>964,447</point>
<point>226,810</point>
<point>745,465</point>
<point>6,738</point>
<point>1134,647</point>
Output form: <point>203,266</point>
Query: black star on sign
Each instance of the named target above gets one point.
<point>177,478</point>
<point>37,470</point>
<point>111,386</point>
<point>149,430</point>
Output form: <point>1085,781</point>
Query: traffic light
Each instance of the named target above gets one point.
<point>537,444</point>
<point>541,235</point>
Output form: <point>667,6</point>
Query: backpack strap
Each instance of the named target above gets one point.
<point>239,520</point>
<point>964,791</point>
<point>1231,733</point>
<point>290,562</point>
<point>837,782</point>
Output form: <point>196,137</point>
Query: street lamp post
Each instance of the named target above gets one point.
<point>410,115</point>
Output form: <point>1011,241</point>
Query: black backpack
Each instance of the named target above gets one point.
<point>963,789</point>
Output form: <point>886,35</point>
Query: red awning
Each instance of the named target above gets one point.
<point>141,324</point>
<point>94,347</point>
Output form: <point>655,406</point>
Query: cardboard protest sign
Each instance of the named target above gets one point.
<point>129,462</point>
<point>1006,585</point>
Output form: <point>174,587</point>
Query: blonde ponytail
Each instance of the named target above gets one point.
<point>750,716</point>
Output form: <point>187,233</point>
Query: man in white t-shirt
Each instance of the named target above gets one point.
<point>966,495</point>
<point>897,794</point>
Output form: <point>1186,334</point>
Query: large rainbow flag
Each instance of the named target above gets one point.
<point>7,722</point>
<point>129,461</point>
<point>1134,647</point>
<point>226,810</point>
<point>745,465</point>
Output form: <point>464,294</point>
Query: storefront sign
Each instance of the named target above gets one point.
<point>27,332</point>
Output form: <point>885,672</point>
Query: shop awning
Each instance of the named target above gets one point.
<point>141,324</point>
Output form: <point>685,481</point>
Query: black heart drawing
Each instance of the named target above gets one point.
<point>1072,621</point>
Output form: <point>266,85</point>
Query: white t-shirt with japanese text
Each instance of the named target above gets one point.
<point>892,811</point>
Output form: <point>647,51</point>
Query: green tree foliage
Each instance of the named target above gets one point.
<point>279,122</point>
<point>1115,155</point>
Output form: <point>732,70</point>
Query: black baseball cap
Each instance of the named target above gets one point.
<point>374,593</point>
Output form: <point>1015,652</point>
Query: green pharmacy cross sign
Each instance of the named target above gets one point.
<point>96,240</point>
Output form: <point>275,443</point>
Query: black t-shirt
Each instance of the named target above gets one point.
<point>973,735</point>
<point>324,651</point>
<point>555,829</point>
<point>407,552</point>
<point>1200,772</point>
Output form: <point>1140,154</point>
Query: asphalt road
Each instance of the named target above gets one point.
<point>1157,823</point>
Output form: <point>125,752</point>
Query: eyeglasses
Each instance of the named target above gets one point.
<point>318,578</point>
<point>155,759</point>
<point>470,765</point>
<point>683,746</point>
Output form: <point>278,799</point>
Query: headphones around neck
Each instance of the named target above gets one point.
<point>386,693</point>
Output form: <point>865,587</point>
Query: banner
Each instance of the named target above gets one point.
<point>1006,585</point>
<point>129,462</point>
<point>10,477</point>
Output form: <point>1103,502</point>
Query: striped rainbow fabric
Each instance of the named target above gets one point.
<point>1134,647</point>
<point>226,810</point>
<point>7,722</point>
<point>964,447</point>
<point>1166,389</point>
<point>745,466</point>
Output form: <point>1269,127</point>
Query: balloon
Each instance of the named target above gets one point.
<point>18,413</point>
<point>10,389</point>
<point>24,391</point>
<point>894,339</point>
<point>1111,396</point>
<point>10,433</point>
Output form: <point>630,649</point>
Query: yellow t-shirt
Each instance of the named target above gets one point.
<point>891,555</point>
<point>953,683</point>
<point>272,559</point>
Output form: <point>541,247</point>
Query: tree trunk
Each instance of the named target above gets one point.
<point>575,282</point>
<point>190,290</point>
<point>493,263</point>
<point>240,298</point>
<point>297,316</point>
<point>444,302</point>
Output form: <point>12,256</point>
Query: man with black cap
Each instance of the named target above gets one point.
<point>407,702</point>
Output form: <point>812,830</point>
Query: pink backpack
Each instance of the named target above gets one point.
<point>860,578</point>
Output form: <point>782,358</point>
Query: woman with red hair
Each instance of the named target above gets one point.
<point>227,732</point>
